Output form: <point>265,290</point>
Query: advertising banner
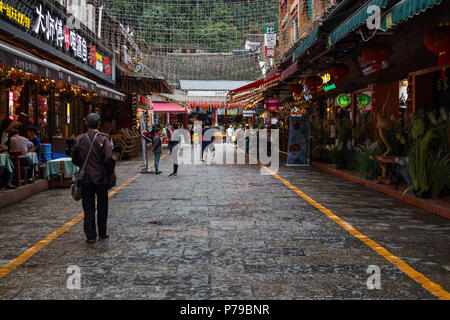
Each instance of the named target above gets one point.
<point>298,146</point>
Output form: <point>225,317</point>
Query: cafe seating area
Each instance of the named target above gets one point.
<point>127,143</point>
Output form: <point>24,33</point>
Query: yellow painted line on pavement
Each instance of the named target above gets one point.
<point>426,283</point>
<point>13,264</point>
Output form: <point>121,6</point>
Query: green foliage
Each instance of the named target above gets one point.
<point>367,167</point>
<point>427,148</point>
<point>215,25</point>
<point>440,173</point>
<point>338,155</point>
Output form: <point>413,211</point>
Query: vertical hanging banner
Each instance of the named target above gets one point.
<point>270,40</point>
<point>298,148</point>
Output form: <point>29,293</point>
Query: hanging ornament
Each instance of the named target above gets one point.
<point>338,71</point>
<point>296,88</point>
<point>313,83</point>
<point>376,53</point>
<point>438,41</point>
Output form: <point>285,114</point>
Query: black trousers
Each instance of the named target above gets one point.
<point>89,191</point>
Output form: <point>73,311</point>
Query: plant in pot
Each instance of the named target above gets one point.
<point>337,153</point>
<point>367,167</point>
<point>428,158</point>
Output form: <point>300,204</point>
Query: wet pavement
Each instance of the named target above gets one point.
<point>225,232</point>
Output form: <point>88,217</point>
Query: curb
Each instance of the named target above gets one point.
<point>431,205</point>
<point>13,196</point>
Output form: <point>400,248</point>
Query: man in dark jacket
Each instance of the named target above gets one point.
<point>97,176</point>
<point>157,149</point>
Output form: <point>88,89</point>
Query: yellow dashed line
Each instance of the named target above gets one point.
<point>426,283</point>
<point>13,264</point>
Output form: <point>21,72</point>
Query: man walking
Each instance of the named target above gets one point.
<point>174,140</point>
<point>97,176</point>
<point>157,149</point>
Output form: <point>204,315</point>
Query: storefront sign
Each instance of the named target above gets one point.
<point>298,147</point>
<point>364,100</point>
<point>15,15</point>
<point>328,84</point>
<point>343,100</point>
<point>68,113</point>
<point>248,113</point>
<point>272,105</point>
<point>51,27</point>
<point>270,40</point>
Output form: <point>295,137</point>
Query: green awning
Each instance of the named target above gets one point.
<point>355,20</point>
<point>308,42</point>
<point>404,10</point>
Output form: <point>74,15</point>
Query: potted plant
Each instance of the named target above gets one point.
<point>367,167</point>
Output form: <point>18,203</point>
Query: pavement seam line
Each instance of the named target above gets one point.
<point>425,282</point>
<point>27,254</point>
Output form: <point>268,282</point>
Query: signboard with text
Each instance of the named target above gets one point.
<point>270,40</point>
<point>48,28</point>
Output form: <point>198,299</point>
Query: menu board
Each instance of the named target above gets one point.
<point>298,147</point>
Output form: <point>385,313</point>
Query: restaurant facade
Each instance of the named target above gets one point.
<point>365,85</point>
<point>53,72</point>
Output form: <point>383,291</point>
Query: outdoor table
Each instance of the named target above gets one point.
<point>5,162</point>
<point>60,168</point>
<point>33,156</point>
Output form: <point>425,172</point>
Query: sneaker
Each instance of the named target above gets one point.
<point>11,187</point>
<point>90,240</point>
<point>173,174</point>
<point>157,172</point>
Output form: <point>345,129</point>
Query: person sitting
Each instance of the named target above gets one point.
<point>22,144</point>
<point>5,127</point>
<point>32,135</point>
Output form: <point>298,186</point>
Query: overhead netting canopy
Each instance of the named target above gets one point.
<point>199,39</point>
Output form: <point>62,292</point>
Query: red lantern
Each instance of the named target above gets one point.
<point>338,71</point>
<point>296,88</point>
<point>438,41</point>
<point>376,53</point>
<point>312,83</point>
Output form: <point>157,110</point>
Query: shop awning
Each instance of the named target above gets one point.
<point>159,107</point>
<point>252,89</point>
<point>354,21</point>
<point>289,70</point>
<point>17,58</point>
<point>306,44</point>
<point>404,10</point>
<point>271,73</point>
<point>143,85</point>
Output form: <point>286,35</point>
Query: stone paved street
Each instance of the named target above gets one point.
<point>225,232</point>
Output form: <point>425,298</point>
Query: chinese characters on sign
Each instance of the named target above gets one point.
<point>15,15</point>
<point>56,31</point>
<point>270,40</point>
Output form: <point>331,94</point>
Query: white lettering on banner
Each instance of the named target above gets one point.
<point>39,21</point>
<point>50,26</point>
<point>84,53</point>
<point>25,65</point>
<point>99,66</point>
<point>60,35</point>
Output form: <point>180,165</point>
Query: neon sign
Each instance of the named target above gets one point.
<point>68,113</point>
<point>11,105</point>
<point>343,100</point>
<point>15,15</point>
